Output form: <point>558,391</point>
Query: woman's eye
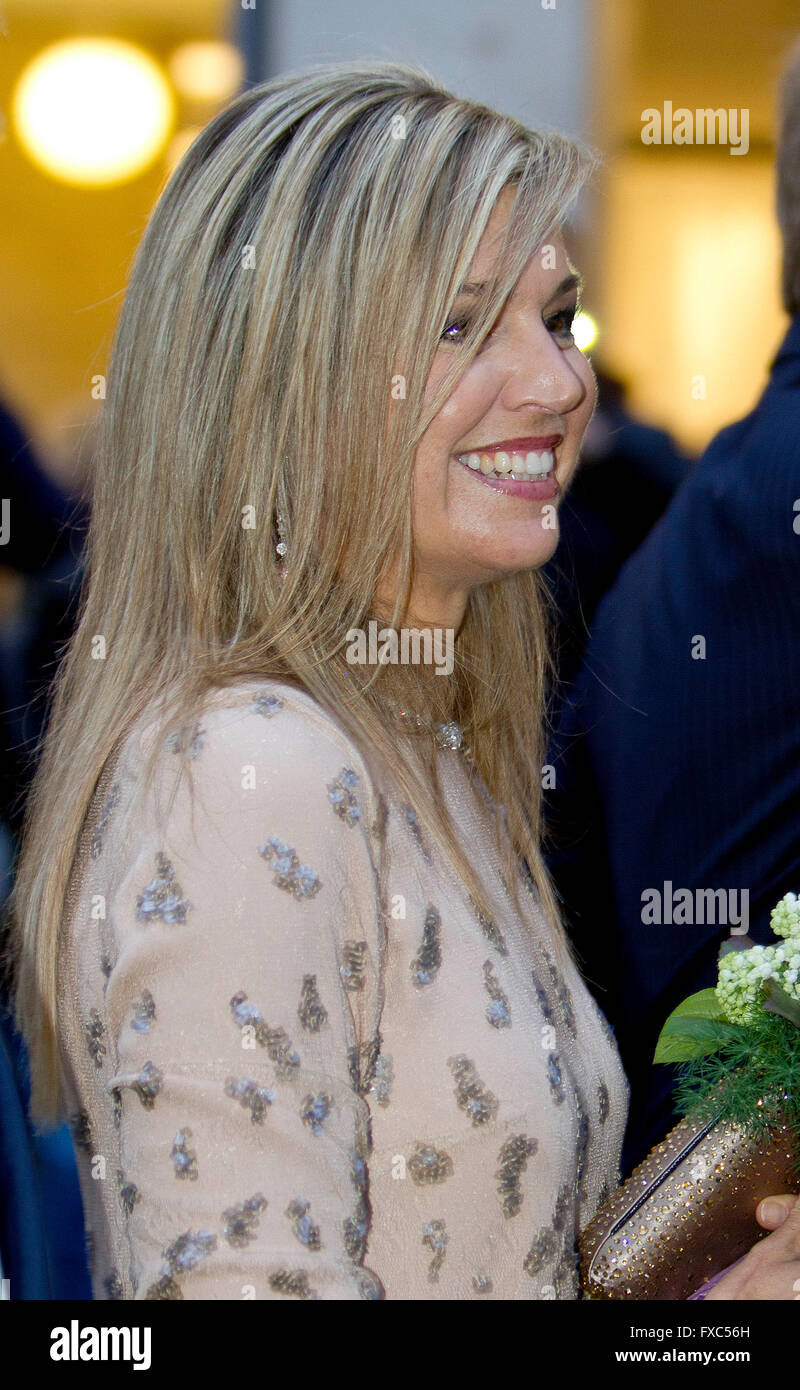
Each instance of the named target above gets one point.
<point>455,329</point>
<point>561,322</point>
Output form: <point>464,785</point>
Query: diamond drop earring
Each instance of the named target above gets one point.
<point>281,548</point>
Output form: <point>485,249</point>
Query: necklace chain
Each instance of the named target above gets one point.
<point>447,733</point>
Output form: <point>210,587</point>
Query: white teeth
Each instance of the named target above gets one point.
<point>539,464</point>
<point>520,467</point>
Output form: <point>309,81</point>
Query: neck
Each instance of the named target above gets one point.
<point>430,605</point>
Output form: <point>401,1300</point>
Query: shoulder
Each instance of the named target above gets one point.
<point>265,737</point>
<point>255,714</point>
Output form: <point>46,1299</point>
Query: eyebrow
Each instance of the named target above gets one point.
<point>574,281</point>
<point>570,282</point>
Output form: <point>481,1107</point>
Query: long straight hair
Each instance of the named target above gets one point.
<point>299,264</point>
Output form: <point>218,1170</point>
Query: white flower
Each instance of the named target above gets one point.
<point>785,916</point>
<point>741,982</point>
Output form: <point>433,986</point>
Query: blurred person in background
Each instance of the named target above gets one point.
<point>42,1246</point>
<point>678,753</point>
<point>628,473</point>
<point>41,565</point>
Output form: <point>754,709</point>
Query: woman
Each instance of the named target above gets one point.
<point>317,1031</point>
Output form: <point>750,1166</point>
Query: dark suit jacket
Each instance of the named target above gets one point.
<point>681,767</point>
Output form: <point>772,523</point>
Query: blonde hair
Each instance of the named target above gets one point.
<point>304,253</point>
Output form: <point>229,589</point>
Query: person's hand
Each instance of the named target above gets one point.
<point>771,1269</point>
<point>773,1211</point>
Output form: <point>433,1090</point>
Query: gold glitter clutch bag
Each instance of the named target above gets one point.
<point>687,1211</point>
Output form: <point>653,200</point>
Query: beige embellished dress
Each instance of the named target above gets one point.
<point>299,1064</point>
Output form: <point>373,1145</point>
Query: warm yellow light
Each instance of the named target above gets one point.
<point>207,70</point>
<point>584,331</point>
<point>179,144</point>
<point>92,111</point>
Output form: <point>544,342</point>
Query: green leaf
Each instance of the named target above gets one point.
<point>695,1029</point>
<point>678,1041</point>
<point>677,1050</point>
<point>704,1004</point>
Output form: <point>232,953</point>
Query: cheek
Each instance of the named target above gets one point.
<point>583,368</point>
<point>470,400</point>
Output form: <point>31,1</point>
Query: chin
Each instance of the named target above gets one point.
<point>546,552</point>
<point>526,559</point>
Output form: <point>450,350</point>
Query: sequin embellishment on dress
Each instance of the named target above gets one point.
<point>267,705</point>
<point>311,1010</point>
<point>276,1041</point>
<point>81,1130</point>
<point>381,820</point>
<point>183,1254</point>
<point>412,821</point>
<point>544,1002</point>
<point>425,965</point>
<point>355,1227</point>
<point>108,806</point>
<point>498,1011</point>
<point>564,1205</point>
<point>240,1223</point>
<point>302,1225</point>
<point>315,1112</point>
<point>475,1099</point>
<point>162,898</point>
<point>95,1033</point>
<point>513,1159</point>
<point>292,1283</point>
<point>582,1145</point>
<point>563,993</point>
<point>434,1235</point>
<point>381,1087</point>
<point>144,1012</point>
<point>289,874</point>
<point>543,1249</point>
<point>342,796</point>
<point>148,1084</point>
<point>184,1159</point>
<point>555,1077</point>
<point>429,1165</point>
<point>490,929</point>
<point>354,961</point>
<point>257,1099</point>
<point>129,1193</point>
<point>361,1062</point>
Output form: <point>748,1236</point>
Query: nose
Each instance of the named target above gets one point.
<point>541,374</point>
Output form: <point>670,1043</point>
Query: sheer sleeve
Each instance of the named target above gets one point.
<point>244,1004</point>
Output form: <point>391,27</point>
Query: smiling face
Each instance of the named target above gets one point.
<point>492,465</point>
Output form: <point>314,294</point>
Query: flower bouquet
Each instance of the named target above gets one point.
<point>739,1044</point>
<point>688,1211</point>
